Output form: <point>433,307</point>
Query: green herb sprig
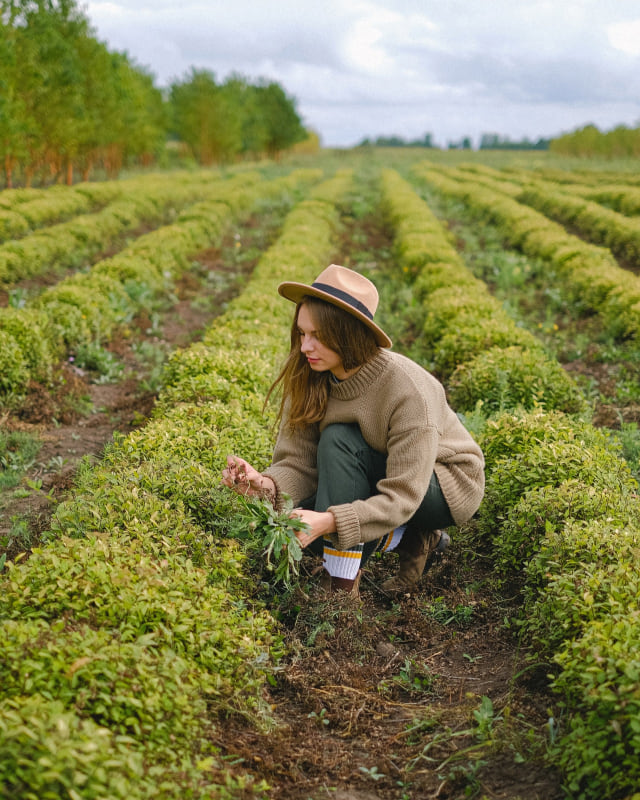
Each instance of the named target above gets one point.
<point>274,533</point>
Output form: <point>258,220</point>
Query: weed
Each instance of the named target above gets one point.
<point>321,718</point>
<point>17,455</point>
<point>273,533</point>
<point>151,357</point>
<point>438,610</point>
<point>95,358</point>
<point>629,436</point>
<point>413,678</point>
<point>485,718</point>
<point>18,298</point>
<point>372,772</point>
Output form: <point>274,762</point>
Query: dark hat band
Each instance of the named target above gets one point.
<point>345,297</point>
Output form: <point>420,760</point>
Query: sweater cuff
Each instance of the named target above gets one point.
<point>347,525</point>
<point>277,500</point>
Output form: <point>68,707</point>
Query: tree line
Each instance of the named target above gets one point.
<point>69,105</point>
<point>488,141</point>
<point>590,141</point>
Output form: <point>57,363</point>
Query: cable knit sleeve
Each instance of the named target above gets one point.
<point>293,467</point>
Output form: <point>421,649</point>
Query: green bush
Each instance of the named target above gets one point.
<point>14,369</point>
<point>525,451</point>
<point>133,688</point>
<point>532,524</point>
<point>48,752</point>
<point>584,573</point>
<point>475,334</point>
<point>514,377</point>
<point>109,582</point>
<point>599,752</point>
<point>31,331</point>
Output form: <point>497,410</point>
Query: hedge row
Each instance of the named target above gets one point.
<point>132,631</point>
<point>600,225</point>
<point>55,204</point>
<point>147,200</point>
<point>612,190</point>
<point>562,516</point>
<point>86,307</point>
<point>590,277</point>
<point>624,199</point>
<point>473,343</point>
<point>487,176</point>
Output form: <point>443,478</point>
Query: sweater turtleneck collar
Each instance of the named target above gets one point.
<point>362,379</point>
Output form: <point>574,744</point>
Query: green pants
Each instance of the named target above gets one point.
<point>349,469</point>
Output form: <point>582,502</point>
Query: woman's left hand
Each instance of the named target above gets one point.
<point>319,522</point>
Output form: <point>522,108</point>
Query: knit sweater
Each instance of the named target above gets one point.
<point>402,411</point>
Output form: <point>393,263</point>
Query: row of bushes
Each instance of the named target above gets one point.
<point>561,516</point>
<point>597,223</point>
<point>626,200</point>
<point>484,357</point>
<point>86,307</point>
<point>133,630</point>
<point>585,177</point>
<point>588,276</point>
<point>619,196</point>
<point>19,218</point>
<point>148,200</point>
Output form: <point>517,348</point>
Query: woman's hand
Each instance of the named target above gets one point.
<point>240,476</point>
<point>320,523</point>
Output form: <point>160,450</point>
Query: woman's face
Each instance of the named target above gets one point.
<point>319,356</point>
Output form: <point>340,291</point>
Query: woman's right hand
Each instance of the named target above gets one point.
<point>240,476</point>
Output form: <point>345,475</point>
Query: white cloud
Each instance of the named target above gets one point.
<point>367,67</point>
<point>625,36</point>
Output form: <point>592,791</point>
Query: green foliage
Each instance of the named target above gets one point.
<point>542,512</point>
<point>76,101</point>
<point>528,451</point>
<point>601,677</point>
<point>14,369</point>
<point>585,572</point>
<point>17,452</point>
<point>219,121</point>
<point>272,535</point>
<point>31,331</point>
<point>111,583</point>
<point>513,377</point>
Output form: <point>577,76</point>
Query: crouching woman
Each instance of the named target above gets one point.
<point>368,447</point>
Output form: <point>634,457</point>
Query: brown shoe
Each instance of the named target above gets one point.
<point>352,587</point>
<point>415,550</point>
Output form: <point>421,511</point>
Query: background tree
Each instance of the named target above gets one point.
<point>205,118</point>
<point>13,116</point>
<point>278,112</point>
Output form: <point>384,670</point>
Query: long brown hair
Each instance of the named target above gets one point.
<point>304,392</point>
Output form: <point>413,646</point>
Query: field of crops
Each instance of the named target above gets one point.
<point>146,650</point>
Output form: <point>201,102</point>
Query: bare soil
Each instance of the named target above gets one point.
<point>377,696</point>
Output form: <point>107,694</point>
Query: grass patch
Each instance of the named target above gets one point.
<point>18,451</point>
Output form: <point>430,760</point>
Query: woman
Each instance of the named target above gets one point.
<point>367,445</point>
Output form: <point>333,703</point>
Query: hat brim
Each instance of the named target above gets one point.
<point>296,291</point>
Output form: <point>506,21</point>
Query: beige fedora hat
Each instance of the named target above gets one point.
<point>343,288</point>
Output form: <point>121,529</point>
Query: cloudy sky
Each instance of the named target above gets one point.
<point>359,68</point>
